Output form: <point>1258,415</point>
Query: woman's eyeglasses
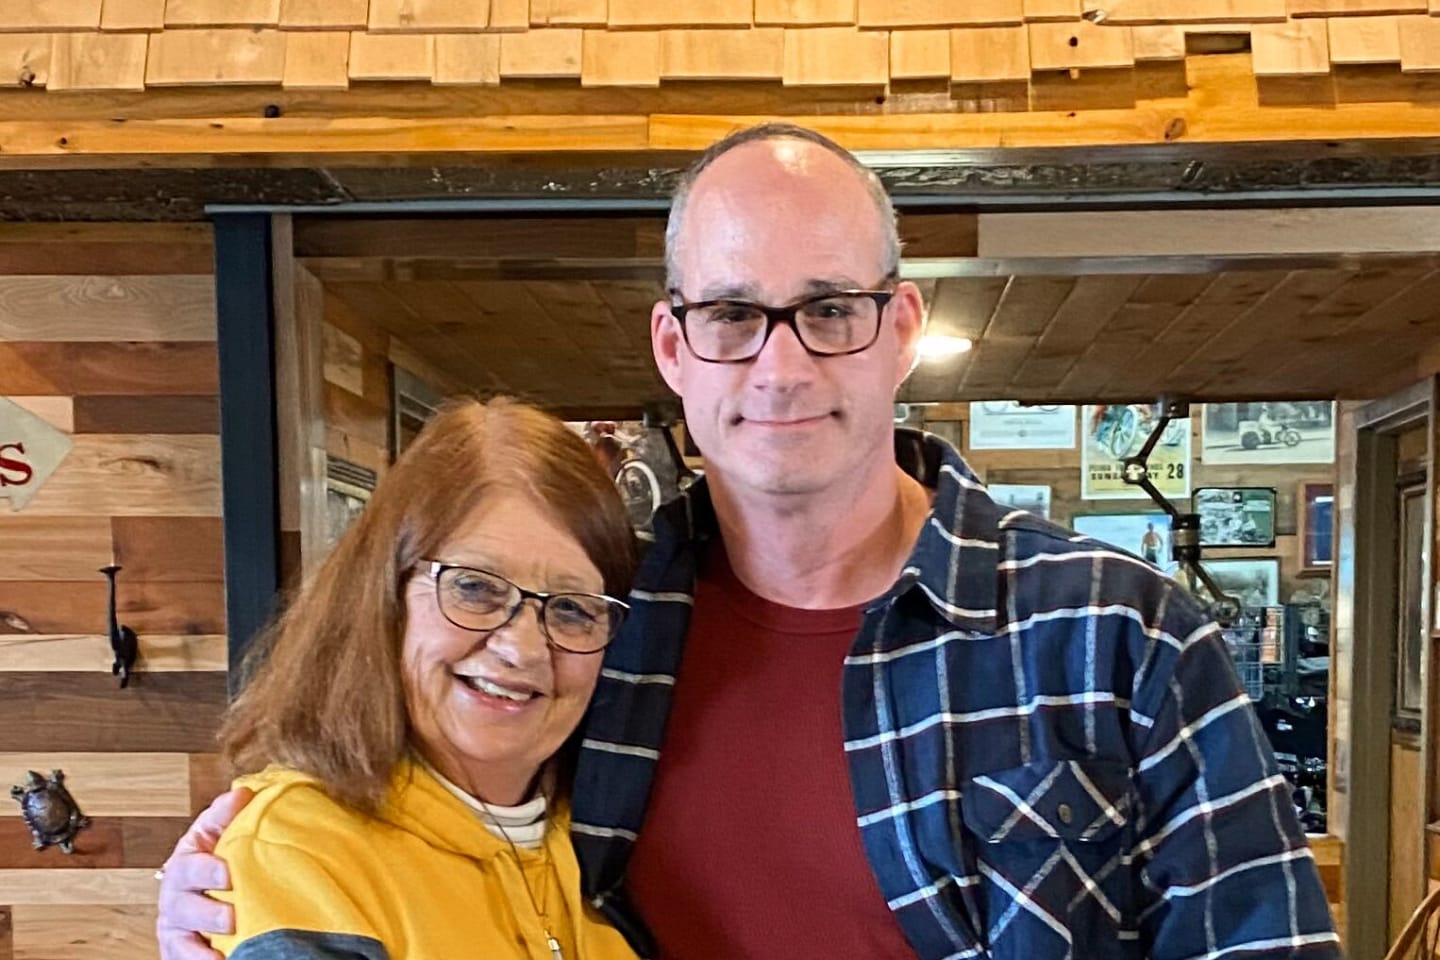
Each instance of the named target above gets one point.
<point>481,600</point>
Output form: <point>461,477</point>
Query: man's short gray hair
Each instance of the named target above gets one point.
<point>777,131</point>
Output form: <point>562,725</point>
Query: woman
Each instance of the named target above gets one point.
<point>405,728</point>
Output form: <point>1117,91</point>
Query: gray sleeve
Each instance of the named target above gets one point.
<point>309,945</point>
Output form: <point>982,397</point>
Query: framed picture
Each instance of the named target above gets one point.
<point>1315,507</point>
<point>1301,432</point>
<point>347,489</point>
<point>1236,516</point>
<point>1254,582</point>
<point>1033,498</point>
<point>413,402</point>
<point>1409,697</point>
<point>1115,431</point>
<point>1146,534</point>
<point>1010,425</point>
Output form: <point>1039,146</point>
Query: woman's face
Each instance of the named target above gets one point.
<point>493,745</point>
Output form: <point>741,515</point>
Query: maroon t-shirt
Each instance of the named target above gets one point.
<point>749,849</point>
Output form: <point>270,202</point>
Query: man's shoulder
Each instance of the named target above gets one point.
<point>1048,567</point>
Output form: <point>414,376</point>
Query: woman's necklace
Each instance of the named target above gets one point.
<point>555,952</point>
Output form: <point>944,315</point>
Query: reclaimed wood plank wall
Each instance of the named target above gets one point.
<point>109,334</point>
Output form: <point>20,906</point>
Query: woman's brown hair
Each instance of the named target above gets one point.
<point>325,693</point>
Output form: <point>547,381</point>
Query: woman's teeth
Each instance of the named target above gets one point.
<point>495,690</point>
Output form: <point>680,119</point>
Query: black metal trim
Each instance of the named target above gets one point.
<point>248,435</point>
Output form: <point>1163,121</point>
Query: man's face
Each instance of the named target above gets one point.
<point>773,222</point>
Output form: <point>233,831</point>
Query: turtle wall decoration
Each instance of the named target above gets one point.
<point>51,813</point>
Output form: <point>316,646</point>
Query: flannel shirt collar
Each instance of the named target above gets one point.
<point>955,561</point>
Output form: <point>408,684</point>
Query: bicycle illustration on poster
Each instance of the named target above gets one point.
<point>1116,431</point>
<point>640,460</point>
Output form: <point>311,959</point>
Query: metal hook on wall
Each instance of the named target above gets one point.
<point>123,642</point>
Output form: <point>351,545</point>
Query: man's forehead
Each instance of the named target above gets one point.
<point>778,289</point>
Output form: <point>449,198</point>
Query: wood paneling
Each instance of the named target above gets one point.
<point>25,59</point>
<point>620,58</point>
<point>805,13</point>
<point>130,251</point>
<point>209,777</point>
<point>109,784</point>
<point>127,363</point>
<point>104,309</point>
<point>324,14</point>
<point>98,61</point>
<point>222,13</point>
<point>180,549</point>
<point>663,13</point>
<point>569,13</point>
<point>146,15</point>
<point>428,16</point>
<point>836,56</point>
<point>317,60</point>
<point>467,59</point>
<point>90,932</point>
<point>180,57</point>
<point>70,653</point>
<point>938,13</point>
<point>81,606</point>
<point>757,54</point>
<point>80,369</point>
<point>541,54</point>
<point>155,415</point>
<point>28,15</point>
<point>100,845</point>
<point>148,841</point>
<point>138,475</point>
<point>391,57</point>
<point>88,712</point>
<point>53,548</point>
<point>23,888</point>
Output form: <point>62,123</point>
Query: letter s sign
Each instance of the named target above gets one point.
<point>14,472</point>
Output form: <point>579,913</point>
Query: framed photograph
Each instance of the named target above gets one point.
<point>1022,496</point>
<point>1254,582</point>
<point>1236,516</point>
<point>1300,432</point>
<point>1010,425</point>
<point>1409,697</point>
<point>1146,534</point>
<point>1315,508</point>
<point>413,402</point>
<point>1116,431</point>
<point>347,489</point>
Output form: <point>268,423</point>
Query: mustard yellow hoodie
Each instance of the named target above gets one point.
<point>313,879</point>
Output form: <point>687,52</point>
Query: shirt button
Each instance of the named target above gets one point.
<point>1065,814</point>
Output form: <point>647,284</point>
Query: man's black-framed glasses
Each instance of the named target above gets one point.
<point>827,325</point>
<point>481,600</point>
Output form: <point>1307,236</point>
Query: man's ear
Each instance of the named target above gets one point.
<point>667,341</point>
<point>907,314</point>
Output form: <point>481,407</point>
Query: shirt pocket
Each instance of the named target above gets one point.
<point>1052,841</point>
<point>1077,801</point>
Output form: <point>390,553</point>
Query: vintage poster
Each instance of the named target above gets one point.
<point>1009,425</point>
<point>1272,432</point>
<point>1116,431</point>
<point>1034,498</point>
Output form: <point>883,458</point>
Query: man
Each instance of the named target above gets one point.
<point>860,711</point>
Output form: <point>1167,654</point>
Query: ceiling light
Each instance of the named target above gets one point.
<point>943,348</point>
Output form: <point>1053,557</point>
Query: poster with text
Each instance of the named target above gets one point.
<point>1116,431</point>
<point>1009,425</point>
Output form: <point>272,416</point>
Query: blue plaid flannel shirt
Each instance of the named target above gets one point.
<point>1050,753</point>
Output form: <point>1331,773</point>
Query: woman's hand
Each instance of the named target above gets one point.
<point>186,911</point>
